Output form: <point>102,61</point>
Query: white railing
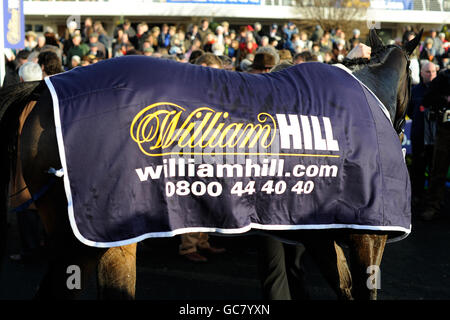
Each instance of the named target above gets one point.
<point>425,5</point>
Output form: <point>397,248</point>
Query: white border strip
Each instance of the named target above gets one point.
<point>175,232</point>
<point>62,155</point>
<point>237,231</point>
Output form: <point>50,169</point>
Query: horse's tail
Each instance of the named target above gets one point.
<point>13,100</point>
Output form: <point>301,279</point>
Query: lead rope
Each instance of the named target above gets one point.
<point>55,174</point>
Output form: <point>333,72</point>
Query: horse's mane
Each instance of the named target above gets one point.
<point>15,94</point>
<point>356,63</point>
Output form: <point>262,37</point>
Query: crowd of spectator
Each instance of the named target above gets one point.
<point>90,43</point>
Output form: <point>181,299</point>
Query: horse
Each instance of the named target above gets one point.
<point>386,75</point>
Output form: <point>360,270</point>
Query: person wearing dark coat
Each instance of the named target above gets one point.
<point>421,154</point>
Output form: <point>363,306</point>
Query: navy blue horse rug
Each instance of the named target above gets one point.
<point>155,148</point>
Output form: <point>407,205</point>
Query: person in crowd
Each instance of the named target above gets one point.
<point>155,31</point>
<point>66,39</point>
<point>340,35</point>
<point>41,41</point>
<point>50,38</point>
<point>355,38</point>
<point>100,47</point>
<point>87,28</point>
<point>148,51</point>
<point>22,57</point>
<point>210,40</point>
<point>248,46</point>
<point>76,61</point>
<point>428,53</point>
<point>95,51</point>
<point>290,29</point>
<point>304,56</point>
<point>274,33</point>
<point>30,40</point>
<point>194,55</point>
<point>304,43</point>
<point>193,34</point>
<point>50,63</point>
<point>437,100</point>
<point>317,34</point>
<point>227,48</point>
<point>316,51</point>
<point>79,49</point>
<point>264,41</point>
<point>285,55</point>
<point>325,43</point>
<point>128,29</point>
<point>437,43</point>
<point>30,71</point>
<point>139,37</point>
<point>226,28</point>
<point>220,37</point>
<point>258,32</point>
<point>164,36</point>
<point>12,65</point>
<point>204,30</point>
<point>421,155</point>
<point>123,44</point>
<point>339,52</point>
<point>262,63</point>
<point>103,38</point>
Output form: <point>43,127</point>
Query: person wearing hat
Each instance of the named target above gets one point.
<point>274,34</point>
<point>148,51</point>
<point>93,39</point>
<point>30,40</point>
<point>262,63</point>
<point>94,50</point>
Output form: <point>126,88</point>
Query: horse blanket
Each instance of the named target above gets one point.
<point>156,148</point>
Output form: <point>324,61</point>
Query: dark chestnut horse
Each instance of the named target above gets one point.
<point>387,75</point>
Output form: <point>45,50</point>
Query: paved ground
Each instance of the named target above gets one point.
<point>417,268</point>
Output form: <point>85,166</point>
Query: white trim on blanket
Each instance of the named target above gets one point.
<point>62,155</point>
<point>237,231</point>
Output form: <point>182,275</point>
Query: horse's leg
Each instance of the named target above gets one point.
<point>345,277</point>
<point>117,273</point>
<point>71,263</point>
<point>332,263</point>
<point>366,252</point>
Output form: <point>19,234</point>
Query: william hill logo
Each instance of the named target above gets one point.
<point>158,128</point>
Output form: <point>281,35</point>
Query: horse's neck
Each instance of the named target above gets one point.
<point>383,83</point>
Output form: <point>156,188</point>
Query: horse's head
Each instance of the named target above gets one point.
<point>388,75</point>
